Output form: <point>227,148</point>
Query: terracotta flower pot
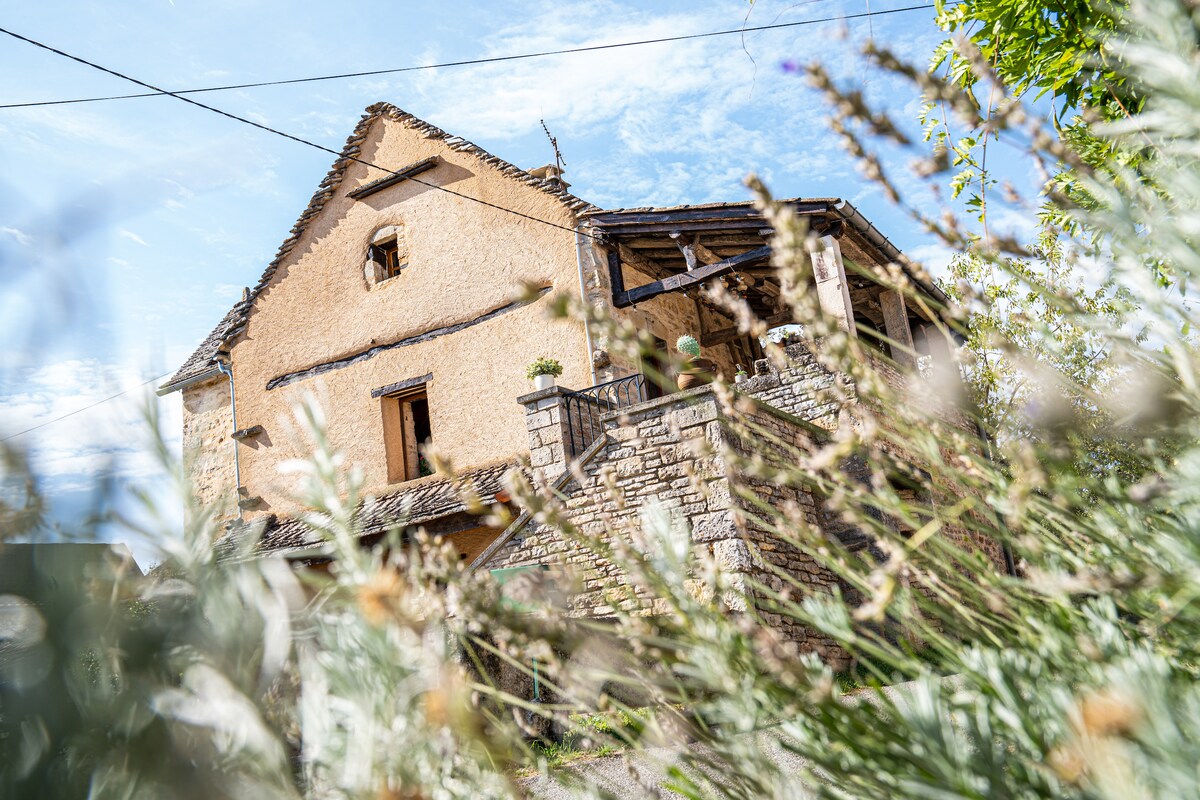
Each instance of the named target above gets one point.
<point>696,372</point>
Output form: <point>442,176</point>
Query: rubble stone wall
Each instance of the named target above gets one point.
<point>766,443</point>
<point>207,447</point>
<point>651,456</point>
<point>671,452</point>
<point>679,452</point>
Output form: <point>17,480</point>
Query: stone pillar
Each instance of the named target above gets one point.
<point>546,422</point>
<point>833,290</point>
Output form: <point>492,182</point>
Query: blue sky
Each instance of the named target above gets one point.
<point>127,228</point>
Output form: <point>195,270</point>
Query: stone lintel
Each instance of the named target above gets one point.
<point>555,393</point>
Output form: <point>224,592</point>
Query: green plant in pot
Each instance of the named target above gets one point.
<point>696,371</point>
<point>543,371</point>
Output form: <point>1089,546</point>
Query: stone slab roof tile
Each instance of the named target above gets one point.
<point>200,363</point>
<point>417,503</point>
<point>705,206</point>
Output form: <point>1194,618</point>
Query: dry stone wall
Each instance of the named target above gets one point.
<point>766,443</point>
<point>802,389</point>
<point>672,451</point>
<point>648,457</point>
<point>677,451</point>
<point>806,389</point>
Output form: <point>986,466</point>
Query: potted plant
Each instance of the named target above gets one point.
<point>543,371</point>
<point>741,374</point>
<point>696,371</point>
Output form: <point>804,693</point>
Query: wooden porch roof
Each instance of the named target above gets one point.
<point>682,247</point>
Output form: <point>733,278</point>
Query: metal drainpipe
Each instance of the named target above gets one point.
<point>587,331</point>
<point>227,371</point>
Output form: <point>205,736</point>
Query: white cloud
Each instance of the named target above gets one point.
<point>131,236</point>
<point>84,435</point>
<point>35,125</point>
<point>692,118</point>
<point>935,258</point>
<point>180,189</point>
<point>20,236</point>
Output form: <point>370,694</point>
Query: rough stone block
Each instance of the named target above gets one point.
<point>620,433</point>
<point>713,527</point>
<point>736,598</point>
<point>630,466</point>
<point>546,455</point>
<point>697,414</point>
<point>540,419</point>
<point>732,555</point>
<point>718,496</point>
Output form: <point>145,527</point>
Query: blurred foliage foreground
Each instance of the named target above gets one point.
<point>250,679</point>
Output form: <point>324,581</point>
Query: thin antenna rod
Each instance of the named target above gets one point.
<point>559,162</point>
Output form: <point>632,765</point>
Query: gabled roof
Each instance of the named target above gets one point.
<point>201,365</point>
<point>420,502</point>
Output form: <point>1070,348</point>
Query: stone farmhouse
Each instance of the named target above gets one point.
<point>392,300</point>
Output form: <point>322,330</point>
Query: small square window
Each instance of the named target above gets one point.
<point>406,434</point>
<point>388,256</point>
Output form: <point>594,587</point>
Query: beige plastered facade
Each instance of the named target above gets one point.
<point>465,259</point>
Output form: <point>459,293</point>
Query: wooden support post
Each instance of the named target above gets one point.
<point>895,321</point>
<point>616,279</point>
<point>694,253</point>
<point>833,290</point>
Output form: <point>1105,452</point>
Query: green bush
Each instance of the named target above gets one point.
<point>543,366</point>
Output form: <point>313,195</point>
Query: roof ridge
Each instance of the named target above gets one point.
<point>200,365</point>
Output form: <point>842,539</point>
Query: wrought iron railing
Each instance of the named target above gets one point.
<point>584,409</point>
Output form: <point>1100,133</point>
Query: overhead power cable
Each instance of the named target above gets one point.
<point>292,137</point>
<point>475,61</point>
<point>84,408</point>
<point>156,92</point>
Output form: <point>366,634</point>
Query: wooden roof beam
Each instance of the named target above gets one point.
<point>725,226</point>
<point>743,240</point>
<point>643,264</point>
<point>694,253</point>
<point>687,280</point>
